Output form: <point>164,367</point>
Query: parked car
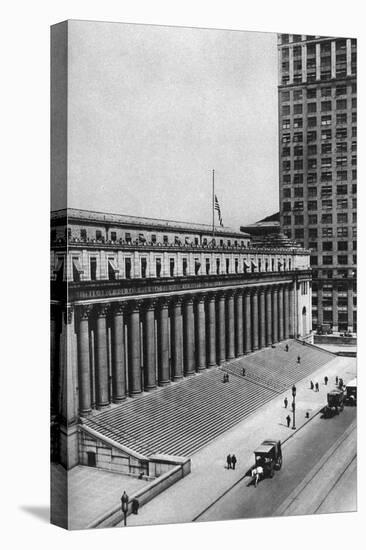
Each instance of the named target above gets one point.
<point>269,456</point>
<point>335,403</point>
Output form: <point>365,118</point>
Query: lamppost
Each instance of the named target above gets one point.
<point>293,406</point>
<point>124,505</point>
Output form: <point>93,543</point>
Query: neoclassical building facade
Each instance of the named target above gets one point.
<point>139,303</point>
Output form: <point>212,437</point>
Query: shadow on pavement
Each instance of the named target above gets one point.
<point>40,512</point>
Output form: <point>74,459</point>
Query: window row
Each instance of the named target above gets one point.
<point>341,104</point>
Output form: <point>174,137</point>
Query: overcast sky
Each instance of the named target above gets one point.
<point>152,110</point>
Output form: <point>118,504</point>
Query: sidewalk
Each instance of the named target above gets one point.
<point>209,478</point>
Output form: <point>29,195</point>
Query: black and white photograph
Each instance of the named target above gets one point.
<point>203,294</point>
<point>182,290</point>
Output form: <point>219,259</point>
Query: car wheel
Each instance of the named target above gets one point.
<point>279,463</point>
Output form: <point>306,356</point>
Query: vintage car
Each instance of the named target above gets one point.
<point>269,456</point>
<point>335,403</point>
<point>351,393</point>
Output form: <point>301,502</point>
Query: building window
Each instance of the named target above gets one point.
<point>327,218</point>
<point>83,234</point>
<point>128,268</point>
<point>165,239</point>
<point>354,174</point>
<point>227,265</point>
<point>286,123</point>
<point>327,204</point>
<point>342,260</point>
<point>299,233</point>
<point>341,104</point>
<point>327,260</point>
<point>312,164</point>
<point>287,220</point>
<point>286,178</point>
<point>341,147</point>
<point>342,203</point>
<point>286,138</point>
<point>113,236</point>
<point>298,205</point>
<point>128,238</point>
<point>327,232</point>
<point>326,106</point>
<point>298,192</point>
<point>327,246</point>
<point>311,92</point>
<point>286,151</point>
<point>298,151</point>
<point>98,235</point>
<point>298,178</point>
<point>326,91</point>
<point>341,175</point>
<point>313,233</point>
<point>158,266</point>
<point>297,122</point>
<point>311,107</point>
<point>354,217</point>
<point>341,133</point>
<point>286,165</point>
<point>285,109</point>
<point>311,136</point>
<point>326,134</point>
<point>171,266</point>
<point>342,217</point>
<point>297,109</point>
<point>312,121</point>
<point>312,177</point>
<point>326,120</point>
<point>326,191</point>
<point>354,188</point>
<point>298,164</point>
<point>285,96</point>
<point>286,206</point>
<point>312,205</point>
<point>312,149</point>
<point>313,245</point>
<point>341,162</point>
<point>313,260</point>
<point>341,118</point>
<point>342,245</point>
<point>297,95</point>
<point>143,267</point>
<point>287,192</point>
<point>218,266</point>
<point>341,189</point>
<point>326,148</point>
<point>299,220</point>
<point>93,269</point>
<point>313,219</point>
<point>354,203</point>
<point>326,162</point>
<point>342,231</point>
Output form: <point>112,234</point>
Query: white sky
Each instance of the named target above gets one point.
<point>153,109</point>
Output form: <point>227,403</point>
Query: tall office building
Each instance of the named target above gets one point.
<point>318,166</point>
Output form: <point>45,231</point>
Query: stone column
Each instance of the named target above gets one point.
<point>292,311</point>
<point>280,313</point>
<point>286,312</point>
<point>275,314</point>
<point>188,334</point>
<point>255,318</point>
<point>163,343</point>
<point>350,326</point>
<point>268,316</point>
<point>248,322</point>
<point>177,338</point>
<point>102,359</point>
<point>201,333</point>
<point>211,329</point>
<point>239,323</point>
<point>149,345</point>
<point>262,318</point>
<point>230,331</point>
<point>134,360</point>
<point>335,319</point>
<point>221,329</point>
<point>118,355</point>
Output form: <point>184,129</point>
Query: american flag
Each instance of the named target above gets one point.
<point>217,207</point>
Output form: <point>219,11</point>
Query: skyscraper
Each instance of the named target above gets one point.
<point>318,166</point>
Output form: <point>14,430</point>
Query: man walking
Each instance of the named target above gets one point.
<point>316,386</point>
<point>298,359</point>
<point>233,461</point>
<point>288,420</point>
<point>285,402</point>
<point>325,380</point>
<point>228,461</point>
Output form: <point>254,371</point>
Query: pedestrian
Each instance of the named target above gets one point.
<point>285,402</point>
<point>286,347</point>
<point>336,380</point>
<point>288,420</point>
<point>233,461</point>
<point>227,378</point>
<point>311,385</point>
<point>298,359</point>
<point>316,386</point>
<point>228,461</point>
<point>243,372</point>
<point>257,473</point>
<point>325,380</point>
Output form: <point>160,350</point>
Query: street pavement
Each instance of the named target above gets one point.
<point>210,479</point>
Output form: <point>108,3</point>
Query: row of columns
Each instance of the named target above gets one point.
<point>172,337</point>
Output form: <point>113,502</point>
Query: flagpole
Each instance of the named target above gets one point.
<point>213,204</point>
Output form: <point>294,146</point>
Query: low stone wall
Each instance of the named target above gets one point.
<point>177,468</point>
<point>334,340</point>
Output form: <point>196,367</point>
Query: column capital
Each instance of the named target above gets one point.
<point>119,308</point>
<point>200,297</point>
<point>102,310</point>
<point>150,304</point>
<point>85,311</point>
<point>189,299</point>
<point>262,289</point>
<point>135,305</point>
<point>239,292</point>
<point>211,296</point>
<point>177,300</point>
<point>163,303</point>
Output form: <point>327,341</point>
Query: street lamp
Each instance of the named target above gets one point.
<point>124,505</point>
<point>293,406</point>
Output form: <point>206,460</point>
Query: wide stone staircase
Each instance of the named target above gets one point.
<point>184,417</point>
